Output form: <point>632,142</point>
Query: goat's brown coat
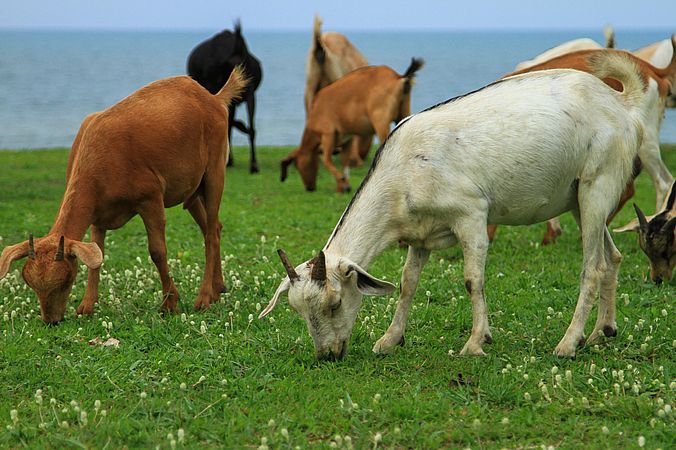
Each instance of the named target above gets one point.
<point>362,102</point>
<point>163,145</point>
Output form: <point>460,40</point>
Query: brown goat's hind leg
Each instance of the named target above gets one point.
<point>213,190</point>
<point>328,144</point>
<point>92,292</point>
<point>152,213</point>
<point>198,213</point>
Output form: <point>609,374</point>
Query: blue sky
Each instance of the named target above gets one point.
<point>338,14</point>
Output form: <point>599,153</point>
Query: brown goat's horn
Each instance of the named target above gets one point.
<point>59,251</point>
<point>31,247</point>
<point>290,271</point>
<point>319,268</point>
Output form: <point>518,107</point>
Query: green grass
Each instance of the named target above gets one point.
<point>228,380</point>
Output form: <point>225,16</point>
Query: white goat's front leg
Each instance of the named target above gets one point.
<point>594,206</point>
<point>415,261</point>
<point>605,320</point>
<point>474,241</point>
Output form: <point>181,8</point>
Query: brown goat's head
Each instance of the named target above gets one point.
<point>307,163</point>
<point>51,269</point>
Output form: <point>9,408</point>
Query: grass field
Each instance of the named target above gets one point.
<point>223,379</point>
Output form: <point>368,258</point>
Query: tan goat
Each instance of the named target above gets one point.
<point>361,103</point>
<point>331,57</point>
<point>165,144</point>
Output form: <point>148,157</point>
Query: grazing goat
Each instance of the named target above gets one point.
<point>362,101</point>
<point>569,47</point>
<point>660,54</point>
<point>516,152</point>
<point>657,237</point>
<point>163,145</point>
<point>332,56</point>
<point>210,64</point>
<point>659,83</point>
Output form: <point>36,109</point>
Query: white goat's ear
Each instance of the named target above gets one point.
<point>367,284</point>
<point>286,284</point>
<point>87,252</point>
<point>631,226</point>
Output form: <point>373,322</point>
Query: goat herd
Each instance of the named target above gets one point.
<point>568,131</point>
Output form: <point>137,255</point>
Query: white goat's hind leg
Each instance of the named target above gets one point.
<point>594,208</point>
<point>415,261</point>
<point>474,243</point>
<point>658,171</point>
<point>605,320</point>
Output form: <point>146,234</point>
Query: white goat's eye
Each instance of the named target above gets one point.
<point>336,305</point>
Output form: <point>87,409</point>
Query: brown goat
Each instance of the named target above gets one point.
<point>165,144</point>
<point>331,57</point>
<point>361,103</point>
<point>649,151</point>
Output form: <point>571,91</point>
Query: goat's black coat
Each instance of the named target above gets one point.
<point>210,64</point>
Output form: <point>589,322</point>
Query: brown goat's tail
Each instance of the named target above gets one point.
<point>416,64</point>
<point>234,87</point>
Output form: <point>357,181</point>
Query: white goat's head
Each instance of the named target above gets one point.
<point>327,291</point>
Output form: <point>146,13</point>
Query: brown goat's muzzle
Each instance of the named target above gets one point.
<point>52,281</point>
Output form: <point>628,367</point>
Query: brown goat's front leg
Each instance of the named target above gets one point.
<point>198,212</point>
<point>213,190</point>
<point>91,295</point>
<point>152,213</point>
<point>328,144</point>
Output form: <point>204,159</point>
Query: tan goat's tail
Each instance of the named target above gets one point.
<point>416,64</point>
<point>234,87</point>
<point>609,33</point>
<point>317,47</point>
<point>619,66</point>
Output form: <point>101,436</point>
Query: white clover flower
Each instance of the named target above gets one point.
<point>183,386</point>
<point>181,435</point>
<point>504,421</point>
<point>526,396</point>
<point>604,430</point>
<point>14,415</point>
<point>667,408</point>
<point>378,437</point>
<point>641,441</point>
<point>143,395</point>
<point>97,405</point>
<point>569,376</point>
<point>83,418</point>
<point>203,327</point>
<point>285,433</point>
<point>271,423</point>
<point>585,402</point>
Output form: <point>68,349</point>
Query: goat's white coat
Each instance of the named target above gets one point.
<point>517,152</point>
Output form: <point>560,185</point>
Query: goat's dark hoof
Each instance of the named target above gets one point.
<point>254,169</point>
<point>488,339</point>
<point>402,341</point>
<point>609,331</point>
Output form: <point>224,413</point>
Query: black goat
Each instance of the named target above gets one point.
<point>210,64</point>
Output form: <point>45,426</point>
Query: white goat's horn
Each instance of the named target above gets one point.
<point>319,267</point>
<point>290,271</point>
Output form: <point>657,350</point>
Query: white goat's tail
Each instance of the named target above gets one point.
<point>234,87</point>
<point>619,66</point>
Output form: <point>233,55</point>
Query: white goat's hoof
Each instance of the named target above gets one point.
<point>386,344</point>
<point>472,349</point>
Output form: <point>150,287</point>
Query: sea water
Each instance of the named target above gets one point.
<point>50,80</point>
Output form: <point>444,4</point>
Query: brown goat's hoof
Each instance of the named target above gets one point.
<point>86,309</point>
<point>609,331</point>
<point>253,169</point>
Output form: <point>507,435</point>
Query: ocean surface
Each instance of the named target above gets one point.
<point>50,80</point>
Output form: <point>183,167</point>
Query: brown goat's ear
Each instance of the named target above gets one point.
<point>10,254</point>
<point>88,252</point>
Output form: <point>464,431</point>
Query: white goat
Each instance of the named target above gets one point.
<point>519,151</point>
<point>570,47</point>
